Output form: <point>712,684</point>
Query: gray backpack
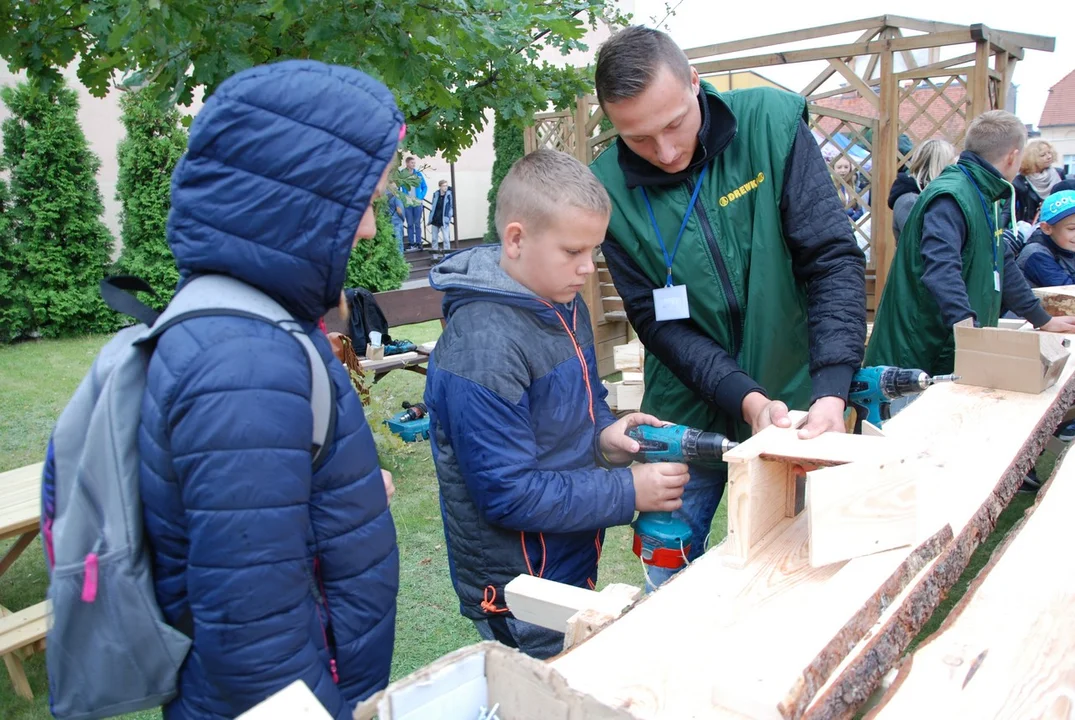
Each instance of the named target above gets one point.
<point>109,649</point>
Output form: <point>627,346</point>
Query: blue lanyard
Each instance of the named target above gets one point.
<point>993,222</point>
<point>669,259</point>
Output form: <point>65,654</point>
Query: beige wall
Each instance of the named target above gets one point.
<point>1062,138</point>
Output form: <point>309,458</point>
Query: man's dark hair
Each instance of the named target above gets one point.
<point>629,60</point>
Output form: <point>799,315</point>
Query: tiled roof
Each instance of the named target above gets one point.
<point>1060,107</point>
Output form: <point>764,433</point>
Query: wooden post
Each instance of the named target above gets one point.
<point>979,81</point>
<point>1001,61</point>
<point>884,173</point>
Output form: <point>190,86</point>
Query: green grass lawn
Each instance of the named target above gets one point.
<point>37,378</point>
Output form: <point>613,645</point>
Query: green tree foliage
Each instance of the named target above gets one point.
<point>7,240</point>
<point>447,61</point>
<point>376,264</point>
<point>508,146</point>
<point>60,248</point>
<point>147,155</point>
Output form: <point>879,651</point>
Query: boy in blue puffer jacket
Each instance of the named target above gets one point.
<point>530,460</point>
<point>277,572</point>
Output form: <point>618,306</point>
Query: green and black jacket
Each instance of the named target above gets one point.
<point>775,280</point>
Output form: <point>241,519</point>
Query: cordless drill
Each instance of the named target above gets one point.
<point>415,411</point>
<point>874,388</point>
<point>662,540</point>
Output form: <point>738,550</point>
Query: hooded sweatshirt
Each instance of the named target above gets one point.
<point>901,198</point>
<point>279,573</point>
<point>516,410</point>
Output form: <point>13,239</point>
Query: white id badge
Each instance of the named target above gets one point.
<point>996,280</point>
<point>670,303</point>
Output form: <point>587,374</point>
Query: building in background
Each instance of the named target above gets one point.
<point>1057,123</point>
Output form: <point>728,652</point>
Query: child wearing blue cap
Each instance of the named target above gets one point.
<point>1049,258</point>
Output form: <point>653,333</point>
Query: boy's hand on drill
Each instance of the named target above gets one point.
<point>616,446</point>
<point>659,486</point>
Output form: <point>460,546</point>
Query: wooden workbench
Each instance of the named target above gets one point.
<point>777,638</point>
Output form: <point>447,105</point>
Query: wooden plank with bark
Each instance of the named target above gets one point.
<point>777,638</point>
<point>1007,650</point>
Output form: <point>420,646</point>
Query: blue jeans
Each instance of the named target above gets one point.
<point>414,225</point>
<point>701,496</point>
<point>534,640</point>
<point>397,228</point>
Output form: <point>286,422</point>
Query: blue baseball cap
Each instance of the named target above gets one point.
<point>1058,206</point>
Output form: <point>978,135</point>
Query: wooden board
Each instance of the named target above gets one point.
<point>295,702</point>
<point>762,640</point>
<point>861,508</point>
<point>1007,650</point>
<point>1058,300</point>
<point>20,500</point>
<point>629,356</point>
<point>394,362</point>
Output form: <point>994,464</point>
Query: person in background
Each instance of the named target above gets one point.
<point>397,212</point>
<point>847,184</point>
<point>1048,259</point>
<point>952,264</point>
<point>440,219</point>
<point>1035,179</point>
<point>927,162</point>
<point>277,571</point>
<point>412,201</point>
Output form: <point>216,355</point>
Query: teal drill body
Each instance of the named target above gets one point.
<point>874,388</point>
<point>661,539</point>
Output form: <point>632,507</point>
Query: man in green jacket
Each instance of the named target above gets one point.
<point>952,263</point>
<point>731,250</point>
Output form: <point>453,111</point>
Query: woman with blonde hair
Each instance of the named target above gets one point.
<point>1035,179</point>
<point>928,161</point>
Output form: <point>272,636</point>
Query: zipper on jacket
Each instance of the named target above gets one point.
<point>326,623</point>
<point>735,313</point>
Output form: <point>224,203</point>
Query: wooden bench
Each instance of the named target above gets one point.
<point>22,633</point>
<point>400,307</point>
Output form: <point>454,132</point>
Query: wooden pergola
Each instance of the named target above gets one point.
<point>870,91</point>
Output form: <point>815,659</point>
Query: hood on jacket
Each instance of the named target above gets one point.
<point>475,274</point>
<point>281,164</point>
<point>902,185</point>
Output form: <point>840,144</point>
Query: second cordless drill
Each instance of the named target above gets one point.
<point>874,388</point>
<point>661,539</point>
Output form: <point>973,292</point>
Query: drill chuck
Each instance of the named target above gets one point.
<point>698,445</point>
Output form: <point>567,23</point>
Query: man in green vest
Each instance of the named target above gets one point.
<point>952,263</point>
<point>733,255</point>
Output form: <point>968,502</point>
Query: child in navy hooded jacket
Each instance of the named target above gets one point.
<point>278,573</point>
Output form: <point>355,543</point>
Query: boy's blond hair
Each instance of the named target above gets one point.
<point>994,134</point>
<point>1035,150</point>
<point>541,184</point>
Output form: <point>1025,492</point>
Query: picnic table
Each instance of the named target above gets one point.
<point>21,633</point>
<point>415,361</point>
<point>20,510</point>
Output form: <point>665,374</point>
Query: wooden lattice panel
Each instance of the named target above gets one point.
<point>830,125</point>
<point>555,131</point>
<point>934,107</point>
